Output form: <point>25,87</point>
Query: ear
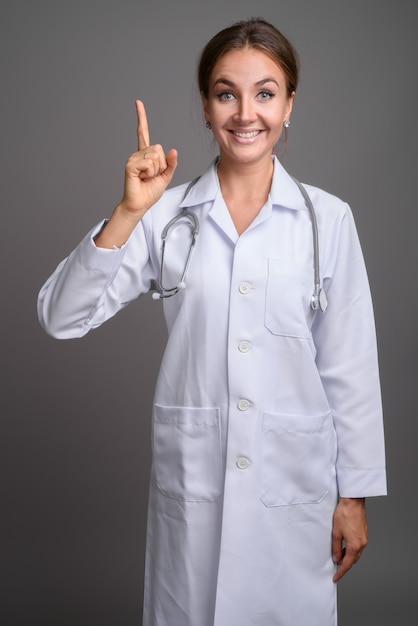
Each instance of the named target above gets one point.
<point>290,101</point>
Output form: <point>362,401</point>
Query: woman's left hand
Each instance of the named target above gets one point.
<point>349,534</point>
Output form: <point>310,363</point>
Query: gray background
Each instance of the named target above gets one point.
<point>75,415</point>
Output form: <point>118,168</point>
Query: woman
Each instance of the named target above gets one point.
<point>267,424</point>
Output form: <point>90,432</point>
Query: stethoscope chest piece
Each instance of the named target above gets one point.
<point>322,300</point>
<point>319,299</point>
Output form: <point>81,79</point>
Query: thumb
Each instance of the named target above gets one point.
<point>172,159</point>
<point>337,549</point>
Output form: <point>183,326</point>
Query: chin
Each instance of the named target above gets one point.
<point>246,157</point>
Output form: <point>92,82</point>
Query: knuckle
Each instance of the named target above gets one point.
<point>131,158</point>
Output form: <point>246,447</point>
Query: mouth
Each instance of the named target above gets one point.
<point>249,134</point>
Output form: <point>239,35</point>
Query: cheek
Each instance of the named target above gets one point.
<point>276,121</point>
<point>218,117</point>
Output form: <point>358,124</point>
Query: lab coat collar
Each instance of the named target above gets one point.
<point>283,192</point>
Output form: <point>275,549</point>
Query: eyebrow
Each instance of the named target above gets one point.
<point>259,83</point>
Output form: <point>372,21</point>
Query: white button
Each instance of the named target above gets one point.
<point>242,462</point>
<point>244,346</point>
<point>243,405</point>
<point>245,288</point>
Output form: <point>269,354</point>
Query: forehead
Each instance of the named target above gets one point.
<point>249,64</point>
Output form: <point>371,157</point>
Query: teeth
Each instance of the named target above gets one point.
<point>248,135</point>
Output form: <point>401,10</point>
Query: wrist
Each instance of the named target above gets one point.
<point>117,230</point>
<point>123,212</point>
<point>352,501</point>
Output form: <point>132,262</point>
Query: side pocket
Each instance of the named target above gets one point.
<point>298,453</point>
<point>187,452</point>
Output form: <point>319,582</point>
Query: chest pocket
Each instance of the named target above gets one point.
<point>288,296</point>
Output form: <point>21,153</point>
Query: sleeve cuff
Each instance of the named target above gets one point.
<point>361,483</point>
<point>102,260</point>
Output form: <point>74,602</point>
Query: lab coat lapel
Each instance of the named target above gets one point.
<point>206,189</point>
<point>283,193</point>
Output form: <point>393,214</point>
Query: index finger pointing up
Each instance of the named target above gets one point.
<point>142,130</point>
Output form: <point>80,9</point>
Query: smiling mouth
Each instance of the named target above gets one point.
<point>246,135</point>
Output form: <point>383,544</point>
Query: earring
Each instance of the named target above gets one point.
<point>286,123</point>
<point>208,126</point>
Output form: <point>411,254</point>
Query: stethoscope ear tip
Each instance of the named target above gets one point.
<point>156,295</point>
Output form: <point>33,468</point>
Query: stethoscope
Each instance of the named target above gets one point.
<point>189,219</point>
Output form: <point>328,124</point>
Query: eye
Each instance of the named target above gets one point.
<point>265,95</point>
<point>225,95</point>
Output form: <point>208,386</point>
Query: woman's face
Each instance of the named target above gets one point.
<point>246,105</point>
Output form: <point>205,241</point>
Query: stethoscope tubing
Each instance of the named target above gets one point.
<point>193,224</point>
<point>319,298</point>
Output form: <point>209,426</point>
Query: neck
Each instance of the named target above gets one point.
<point>246,180</point>
<point>245,189</point>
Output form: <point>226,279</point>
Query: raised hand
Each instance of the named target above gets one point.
<point>147,174</point>
<point>148,171</point>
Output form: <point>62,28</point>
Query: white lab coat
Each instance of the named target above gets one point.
<point>265,411</point>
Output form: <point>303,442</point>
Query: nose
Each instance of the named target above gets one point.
<point>246,110</point>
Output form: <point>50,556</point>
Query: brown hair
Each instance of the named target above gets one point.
<point>253,33</point>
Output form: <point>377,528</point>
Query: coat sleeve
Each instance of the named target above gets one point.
<point>347,362</point>
<point>92,284</point>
